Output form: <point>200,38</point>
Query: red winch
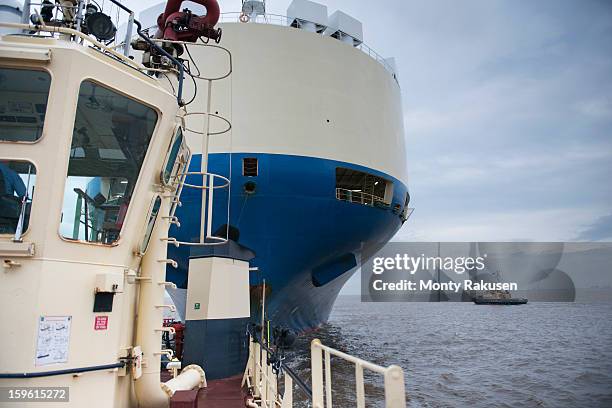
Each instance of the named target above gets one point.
<point>176,25</point>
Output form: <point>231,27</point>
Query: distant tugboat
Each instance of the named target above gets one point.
<point>498,297</point>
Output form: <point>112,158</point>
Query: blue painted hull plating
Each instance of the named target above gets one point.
<point>307,243</point>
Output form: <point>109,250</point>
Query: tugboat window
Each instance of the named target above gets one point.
<point>363,188</point>
<point>150,225</point>
<point>109,142</point>
<point>170,170</point>
<point>17,180</point>
<point>23,103</point>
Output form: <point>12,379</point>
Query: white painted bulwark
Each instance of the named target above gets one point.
<point>218,288</point>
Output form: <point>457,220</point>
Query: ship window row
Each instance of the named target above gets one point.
<point>363,188</point>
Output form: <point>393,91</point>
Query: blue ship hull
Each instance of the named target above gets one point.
<point>307,243</point>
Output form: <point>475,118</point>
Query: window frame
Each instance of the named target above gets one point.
<point>181,152</point>
<point>178,191</point>
<point>33,163</point>
<point>129,211</point>
<point>50,94</point>
<point>140,251</point>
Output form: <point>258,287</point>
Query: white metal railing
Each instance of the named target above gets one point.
<point>69,15</point>
<point>277,19</point>
<point>261,379</point>
<point>78,34</point>
<point>230,17</point>
<point>359,197</point>
<point>208,187</point>
<point>395,393</point>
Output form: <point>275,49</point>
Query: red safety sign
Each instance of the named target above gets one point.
<point>101,323</point>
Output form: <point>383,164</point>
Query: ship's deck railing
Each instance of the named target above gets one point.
<point>68,15</point>
<point>261,378</point>
<point>395,393</point>
<point>359,197</point>
<point>277,19</point>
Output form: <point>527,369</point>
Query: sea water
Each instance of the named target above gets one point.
<point>462,354</point>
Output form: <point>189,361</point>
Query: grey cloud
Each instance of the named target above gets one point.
<point>600,230</point>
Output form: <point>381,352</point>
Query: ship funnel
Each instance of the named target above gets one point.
<point>345,28</point>
<point>307,15</point>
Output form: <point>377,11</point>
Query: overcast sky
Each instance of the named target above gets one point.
<point>508,116</point>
